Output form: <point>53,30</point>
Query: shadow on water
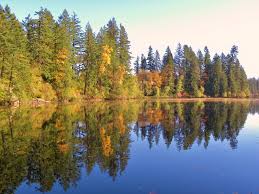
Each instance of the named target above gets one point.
<point>49,145</point>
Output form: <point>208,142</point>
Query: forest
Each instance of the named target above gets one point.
<point>58,60</point>
<point>254,87</point>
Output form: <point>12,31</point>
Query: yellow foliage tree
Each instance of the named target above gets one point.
<point>106,143</point>
<point>105,58</point>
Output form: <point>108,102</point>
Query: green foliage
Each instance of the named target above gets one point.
<point>49,150</point>
<point>254,87</point>
<point>15,75</point>
<point>56,56</point>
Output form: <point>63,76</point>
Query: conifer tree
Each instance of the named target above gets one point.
<point>124,49</point>
<point>90,63</point>
<point>192,76</point>
<point>15,68</point>
<point>45,43</point>
<point>167,74</point>
<point>143,65</point>
<point>158,63</point>
<point>150,59</point>
<point>207,73</point>
<point>77,36</point>
<point>137,66</point>
<point>178,60</point>
<point>61,72</point>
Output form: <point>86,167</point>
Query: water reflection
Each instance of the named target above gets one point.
<point>49,145</point>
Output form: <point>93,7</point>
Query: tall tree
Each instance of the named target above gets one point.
<point>167,74</point>
<point>15,68</point>
<point>124,49</point>
<point>90,62</point>
<point>45,43</point>
<point>151,59</point>
<point>77,36</point>
<point>143,65</point>
<point>207,73</point>
<point>192,77</point>
<point>158,63</point>
<point>178,60</point>
<point>137,66</point>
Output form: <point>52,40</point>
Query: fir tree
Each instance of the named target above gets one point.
<point>178,60</point>
<point>158,63</point>
<point>124,49</point>
<point>150,60</point>
<point>207,73</point>
<point>90,62</point>
<point>167,74</point>
<point>192,76</point>
<point>143,65</point>
<point>137,66</point>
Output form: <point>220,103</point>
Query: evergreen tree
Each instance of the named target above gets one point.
<point>77,36</point>
<point>207,73</point>
<point>61,72</point>
<point>192,76</point>
<point>233,72</point>
<point>167,74</point>
<point>143,65</point>
<point>218,78</point>
<point>137,66</point>
<point>178,60</point>
<point>158,63</point>
<point>244,84</point>
<point>124,49</point>
<point>151,60</point>
<point>90,62</point>
<point>45,43</point>
<point>15,68</point>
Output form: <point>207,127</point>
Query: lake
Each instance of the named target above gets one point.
<point>131,147</point>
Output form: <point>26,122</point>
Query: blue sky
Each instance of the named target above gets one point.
<point>216,23</point>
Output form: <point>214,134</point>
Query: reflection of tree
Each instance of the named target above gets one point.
<point>105,136</point>
<point>50,145</point>
<point>254,107</point>
<point>35,149</point>
<point>190,122</point>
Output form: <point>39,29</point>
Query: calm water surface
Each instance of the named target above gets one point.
<point>131,148</point>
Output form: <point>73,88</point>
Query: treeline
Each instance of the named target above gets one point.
<point>190,74</point>
<point>254,87</point>
<point>56,59</point>
<point>41,57</point>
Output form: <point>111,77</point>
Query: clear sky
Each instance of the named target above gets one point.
<point>216,23</point>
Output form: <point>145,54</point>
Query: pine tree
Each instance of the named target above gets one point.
<point>45,42</point>
<point>192,76</point>
<point>124,49</point>
<point>207,73</point>
<point>137,66</point>
<point>244,84</point>
<point>167,74</point>
<point>178,60</point>
<point>158,63</point>
<point>150,60</point>
<point>143,65</point>
<point>77,36</point>
<point>15,68</point>
<point>90,63</point>
<point>61,72</point>
<point>233,72</point>
<point>216,76</point>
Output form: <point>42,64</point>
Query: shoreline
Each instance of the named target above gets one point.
<point>40,102</point>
